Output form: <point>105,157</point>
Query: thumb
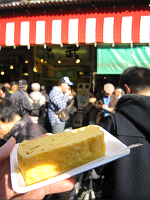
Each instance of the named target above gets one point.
<point>6,149</point>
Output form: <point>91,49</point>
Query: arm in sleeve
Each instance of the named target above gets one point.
<point>60,101</point>
<point>110,125</point>
<point>26,103</point>
<point>98,104</point>
<point>89,107</point>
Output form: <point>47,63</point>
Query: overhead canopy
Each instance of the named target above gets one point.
<point>120,25</point>
<point>116,60</point>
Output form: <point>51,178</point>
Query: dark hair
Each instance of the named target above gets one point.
<point>93,92</point>
<point>137,77</point>
<point>7,110</point>
<point>61,81</point>
<point>13,83</point>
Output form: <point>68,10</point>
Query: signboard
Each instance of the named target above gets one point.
<point>83,94</point>
<point>43,61</point>
<point>9,60</point>
<point>58,73</point>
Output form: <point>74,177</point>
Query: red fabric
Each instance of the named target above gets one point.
<point>81,15</point>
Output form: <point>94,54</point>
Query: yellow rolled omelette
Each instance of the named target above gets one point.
<point>49,156</point>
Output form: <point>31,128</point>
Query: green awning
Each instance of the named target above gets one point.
<point>116,60</point>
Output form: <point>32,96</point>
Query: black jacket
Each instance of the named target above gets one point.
<point>21,99</point>
<point>129,177</point>
<point>25,129</point>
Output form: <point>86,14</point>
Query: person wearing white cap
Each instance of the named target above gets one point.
<point>106,103</point>
<point>118,92</point>
<point>58,101</point>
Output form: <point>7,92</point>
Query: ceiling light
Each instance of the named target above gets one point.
<point>2,73</point>
<point>81,73</point>
<point>77,60</point>
<point>26,61</point>
<point>11,67</point>
<point>59,61</point>
<point>25,74</point>
<point>34,69</point>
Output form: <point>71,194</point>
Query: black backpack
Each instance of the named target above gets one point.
<point>37,108</point>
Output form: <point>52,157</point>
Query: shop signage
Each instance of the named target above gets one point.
<point>58,73</point>
<point>43,61</point>
<point>9,60</point>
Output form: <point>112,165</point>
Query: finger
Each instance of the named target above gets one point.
<point>6,149</point>
<point>34,194</point>
<point>61,186</point>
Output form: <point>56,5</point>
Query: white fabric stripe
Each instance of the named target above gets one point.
<point>145,29</point>
<point>126,30</point>
<point>56,32</point>
<point>10,28</point>
<point>108,31</point>
<point>24,37</point>
<point>90,30</point>
<point>40,32</point>
<point>73,31</point>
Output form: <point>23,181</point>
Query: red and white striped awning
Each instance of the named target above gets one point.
<point>101,26</point>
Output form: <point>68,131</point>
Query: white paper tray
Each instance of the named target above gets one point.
<point>114,151</point>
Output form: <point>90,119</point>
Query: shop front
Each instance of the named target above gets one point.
<point>93,26</point>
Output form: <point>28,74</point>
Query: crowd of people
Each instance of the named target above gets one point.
<point>122,111</point>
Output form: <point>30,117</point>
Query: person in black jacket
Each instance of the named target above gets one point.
<point>128,177</point>
<point>11,124</point>
<point>21,98</point>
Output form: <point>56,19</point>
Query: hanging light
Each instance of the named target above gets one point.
<point>77,59</point>
<point>59,60</point>
<point>25,74</point>
<point>26,61</point>
<point>11,67</point>
<point>2,73</point>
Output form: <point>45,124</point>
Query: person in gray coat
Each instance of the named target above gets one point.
<point>21,98</point>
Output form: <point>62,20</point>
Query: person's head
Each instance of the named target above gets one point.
<point>135,80</point>
<point>64,84</point>
<point>6,84</point>
<point>8,112</point>
<point>92,93</point>
<point>14,86</point>
<point>108,89</point>
<point>22,84</point>
<point>2,91</point>
<point>118,91</point>
<point>42,88</point>
<point>35,87</point>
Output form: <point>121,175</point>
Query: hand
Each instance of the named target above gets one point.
<point>104,106</point>
<point>6,191</point>
<point>110,110</point>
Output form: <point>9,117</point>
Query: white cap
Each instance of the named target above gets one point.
<point>67,80</point>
